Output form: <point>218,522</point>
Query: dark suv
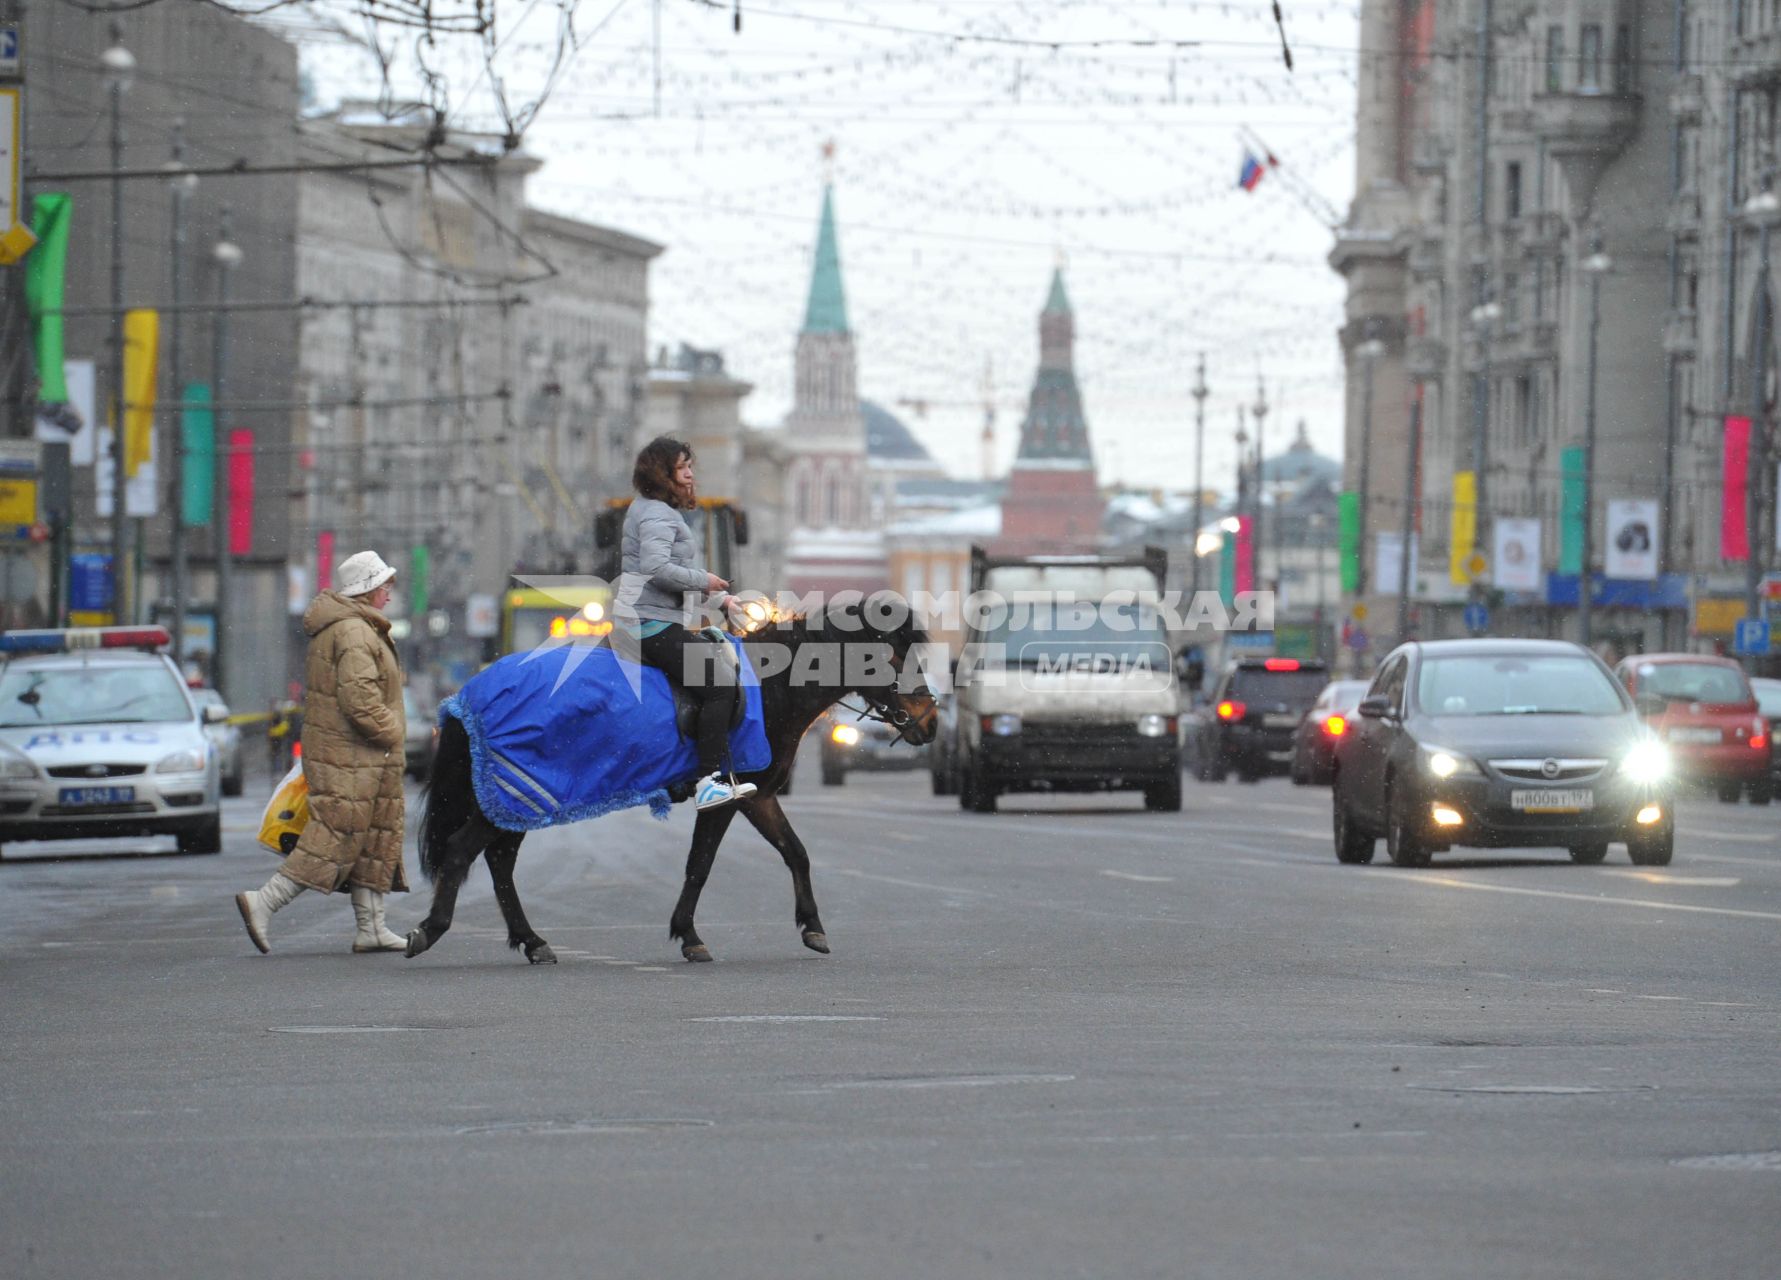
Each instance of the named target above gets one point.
<point>1255,711</point>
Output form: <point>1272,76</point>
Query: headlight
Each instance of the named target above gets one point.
<point>1647,762</point>
<point>12,766</point>
<point>1447,764</point>
<point>845,734</point>
<point>1002,726</point>
<point>181,762</point>
<point>1155,726</point>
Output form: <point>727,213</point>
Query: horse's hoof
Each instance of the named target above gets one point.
<point>417,943</point>
<point>541,954</point>
<point>816,941</point>
<point>699,954</point>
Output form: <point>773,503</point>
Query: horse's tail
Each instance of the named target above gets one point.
<point>450,797</point>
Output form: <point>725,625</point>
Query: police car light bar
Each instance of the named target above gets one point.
<point>48,641</point>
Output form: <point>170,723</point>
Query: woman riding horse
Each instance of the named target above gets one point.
<point>805,665</point>
<point>661,574</point>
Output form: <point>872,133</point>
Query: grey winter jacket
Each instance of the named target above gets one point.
<point>661,565</point>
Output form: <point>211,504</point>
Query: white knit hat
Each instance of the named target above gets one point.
<point>361,574</point>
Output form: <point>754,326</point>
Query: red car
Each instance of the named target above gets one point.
<point>1704,709</point>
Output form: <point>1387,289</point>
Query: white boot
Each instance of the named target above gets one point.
<point>257,905</point>
<point>367,910</point>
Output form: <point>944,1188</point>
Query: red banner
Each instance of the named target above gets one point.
<point>241,491</point>
<point>1734,528</point>
<point>324,560</point>
<point>1245,554</point>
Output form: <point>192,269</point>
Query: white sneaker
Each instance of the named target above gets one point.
<point>713,792</point>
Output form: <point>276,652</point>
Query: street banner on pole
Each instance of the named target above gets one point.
<point>15,238</point>
<point>1462,528</point>
<point>1348,531</point>
<point>75,407</point>
<point>241,491</point>
<point>45,274</point>
<point>324,560</point>
<point>1388,561</point>
<point>1633,538</point>
<point>197,428</point>
<point>142,362</point>
<point>1571,514</point>
<point>1245,554</point>
<point>1516,553</point>
<point>1227,568</point>
<point>1734,529</point>
<point>141,492</point>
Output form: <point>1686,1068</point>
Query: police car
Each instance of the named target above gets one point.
<point>100,737</point>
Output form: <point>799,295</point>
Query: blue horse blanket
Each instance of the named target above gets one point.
<point>562,734</point>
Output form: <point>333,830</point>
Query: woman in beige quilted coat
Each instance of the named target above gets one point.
<point>353,733</point>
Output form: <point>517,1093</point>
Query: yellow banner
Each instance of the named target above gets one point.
<point>1464,528</point>
<point>142,359</point>
<point>18,502</point>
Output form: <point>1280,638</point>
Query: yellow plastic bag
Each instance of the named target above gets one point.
<point>287,813</point>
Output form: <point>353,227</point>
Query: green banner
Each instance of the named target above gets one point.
<point>418,560</point>
<point>1227,568</point>
<point>46,268</point>
<point>1570,520</point>
<point>1348,530</point>
<point>197,430</point>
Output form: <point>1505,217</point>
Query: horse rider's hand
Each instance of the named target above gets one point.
<point>714,583</point>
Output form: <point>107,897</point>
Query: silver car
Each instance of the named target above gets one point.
<point>103,741</point>
<point>225,737</point>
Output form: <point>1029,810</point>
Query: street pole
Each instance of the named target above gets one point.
<point>1484,318</point>
<point>119,67</point>
<point>181,187</point>
<point>1597,264</point>
<point>1200,393</point>
<point>1369,352</point>
<point>227,256</point>
<point>15,323</point>
<point>1257,541</point>
<point>1410,477</point>
<point>1763,208</point>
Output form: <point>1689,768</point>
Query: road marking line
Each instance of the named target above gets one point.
<point>1599,899</point>
<point>1127,875</point>
<point>1658,877</point>
<point>1740,837</point>
<point>907,884</point>
<point>1726,857</point>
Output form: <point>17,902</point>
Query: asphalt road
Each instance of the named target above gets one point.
<point>1072,1039</point>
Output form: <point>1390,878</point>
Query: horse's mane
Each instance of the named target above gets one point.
<point>800,627</point>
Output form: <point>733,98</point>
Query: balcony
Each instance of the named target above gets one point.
<point>1428,154</point>
<point>1684,217</point>
<point>1681,332</point>
<point>1584,132</point>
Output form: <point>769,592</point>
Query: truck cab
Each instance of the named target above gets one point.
<point>1067,680</point>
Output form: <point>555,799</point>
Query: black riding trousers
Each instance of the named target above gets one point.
<point>666,651</point>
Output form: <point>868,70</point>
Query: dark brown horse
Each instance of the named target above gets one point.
<point>805,666</point>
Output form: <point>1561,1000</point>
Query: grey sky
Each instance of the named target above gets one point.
<point>963,170</point>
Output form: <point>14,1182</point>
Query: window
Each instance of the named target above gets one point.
<point>1524,409</point>
<point>1589,59</point>
<point>1511,299</point>
<point>1512,190</point>
<point>1555,59</point>
<point>1624,54</point>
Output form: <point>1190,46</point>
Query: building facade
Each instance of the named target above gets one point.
<point>478,404</point>
<point>1522,166</point>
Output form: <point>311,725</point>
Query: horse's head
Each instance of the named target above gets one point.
<point>884,649</point>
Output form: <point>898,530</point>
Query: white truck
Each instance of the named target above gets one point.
<point>1067,679</point>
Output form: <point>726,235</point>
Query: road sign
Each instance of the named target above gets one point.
<point>1360,612</point>
<point>9,51</point>
<point>1477,618</point>
<point>1476,566</point>
<point>1771,586</point>
<point>1356,638</point>
<point>482,617</point>
<point>1751,636</point>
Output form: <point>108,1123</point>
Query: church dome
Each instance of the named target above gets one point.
<point>888,438</point>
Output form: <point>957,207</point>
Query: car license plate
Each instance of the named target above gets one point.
<point>1280,722</point>
<point>97,795</point>
<point>1552,801</point>
<point>1696,735</point>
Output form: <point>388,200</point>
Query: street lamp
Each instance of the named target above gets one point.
<point>1484,318</point>
<point>227,255</point>
<point>118,65</point>
<point>1762,210</point>
<point>1597,265</point>
<point>181,183</point>
<point>1369,353</point>
<point>1199,393</point>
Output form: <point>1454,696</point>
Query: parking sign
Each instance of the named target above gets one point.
<point>1751,636</point>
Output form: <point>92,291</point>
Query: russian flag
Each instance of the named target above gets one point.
<point>1253,171</point>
